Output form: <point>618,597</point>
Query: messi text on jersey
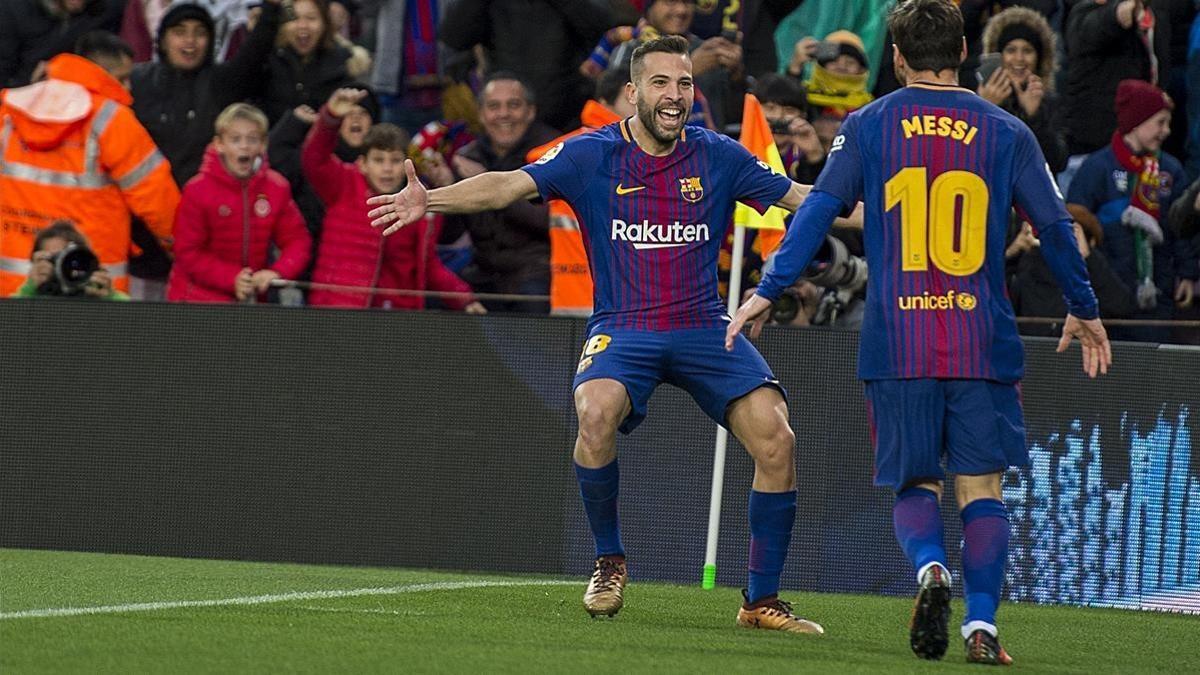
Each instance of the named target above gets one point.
<point>939,125</point>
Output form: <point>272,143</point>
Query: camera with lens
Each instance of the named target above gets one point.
<point>73,269</point>
<point>781,125</point>
<point>839,276</point>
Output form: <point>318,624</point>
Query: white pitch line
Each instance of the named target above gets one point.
<point>266,599</point>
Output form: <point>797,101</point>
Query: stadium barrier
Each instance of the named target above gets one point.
<point>443,440</point>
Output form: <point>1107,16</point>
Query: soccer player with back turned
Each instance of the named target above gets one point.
<point>937,169</point>
<point>654,202</point>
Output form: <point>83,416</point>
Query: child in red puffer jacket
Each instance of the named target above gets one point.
<point>230,215</point>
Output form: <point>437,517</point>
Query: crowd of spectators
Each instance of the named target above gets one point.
<point>223,150</point>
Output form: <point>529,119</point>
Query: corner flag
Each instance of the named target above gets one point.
<point>756,137</point>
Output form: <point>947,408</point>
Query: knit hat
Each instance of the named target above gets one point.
<point>183,11</point>
<point>1021,31</point>
<point>1138,101</point>
<point>849,44</point>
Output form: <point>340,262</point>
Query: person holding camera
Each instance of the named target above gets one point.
<point>1016,73</point>
<point>62,264</point>
<point>785,105</point>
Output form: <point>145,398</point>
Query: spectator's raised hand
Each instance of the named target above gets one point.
<point>1081,242</point>
<point>344,100</point>
<point>467,167</point>
<point>401,208</point>
<point>1030,97</point>
<point>475,308</point>
<point>243,285</point>
<point>806,140</point>
<point>997,88</point>
<point>802,52</point>
<point>436,170</point>
<point>1129,12</point>
<point>1024,241</point>
<point>710,54</point>
<point>305,114</point>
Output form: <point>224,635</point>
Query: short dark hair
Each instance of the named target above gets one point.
<point>667,44</point>
<point>611,84</point>
<point>59,229</point>
<point>386,137</point>
<point>929,33</point>
<point>496,75</point>
<point>781,90</point>
<point>102,44</point>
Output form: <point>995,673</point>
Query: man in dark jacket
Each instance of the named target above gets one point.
<point>1108,42</point>
<point>564,32</point>
<point>33,31</point>
<point>178,97</point>
<point>511,246</point>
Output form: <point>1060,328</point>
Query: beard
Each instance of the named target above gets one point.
<point>646,113</point>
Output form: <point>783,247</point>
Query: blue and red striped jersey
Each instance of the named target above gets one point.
<point>938,170</point>
<point>653,226</point>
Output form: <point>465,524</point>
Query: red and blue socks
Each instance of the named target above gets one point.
<point>918,524</point>
<point>772,515</point>
<point>599,488</point>
<point>984,553</point>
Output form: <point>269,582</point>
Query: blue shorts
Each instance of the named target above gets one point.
<point>976,424</point>
<point>694,360</point>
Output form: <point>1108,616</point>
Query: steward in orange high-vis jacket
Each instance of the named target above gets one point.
<point>70,148</point>
<point>570,276</point>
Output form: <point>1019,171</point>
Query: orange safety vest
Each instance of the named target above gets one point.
<point>570,277</point>
<point>71,148</point>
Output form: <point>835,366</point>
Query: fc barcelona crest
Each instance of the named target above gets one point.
<point>691,189</point>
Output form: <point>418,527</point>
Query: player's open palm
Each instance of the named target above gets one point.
<point>402,208</point>
<point>1097,352</point>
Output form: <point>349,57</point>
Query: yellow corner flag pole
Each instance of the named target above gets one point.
<point>756,137</point>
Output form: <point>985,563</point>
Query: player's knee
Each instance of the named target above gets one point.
<point>774,451</point>
<point>597,424</point>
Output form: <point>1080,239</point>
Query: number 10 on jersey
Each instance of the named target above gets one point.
<point>930,228</point>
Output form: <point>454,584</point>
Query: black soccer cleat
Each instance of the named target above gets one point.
<point>983,647</point>
<point>928,632</point>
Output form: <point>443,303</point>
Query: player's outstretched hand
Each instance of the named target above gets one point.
<point>403,207</point>
<point>753,312</point>
<point>1097,352</point>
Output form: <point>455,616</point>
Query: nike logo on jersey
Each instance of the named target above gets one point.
<point>622,190</point>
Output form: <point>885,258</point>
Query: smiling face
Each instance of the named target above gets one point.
<point>305,32</point>
<point>671,17</point>
<point>1019,58</point>
<point>239,144</point>
<point>505,113</point>
<point>186,44</point>
<point>664,94</point>
<point>1149,135</point>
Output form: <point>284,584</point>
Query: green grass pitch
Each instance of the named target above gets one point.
<point>296,618</point>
